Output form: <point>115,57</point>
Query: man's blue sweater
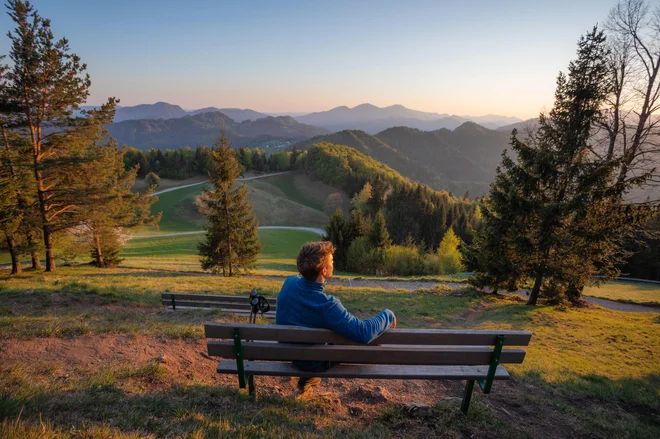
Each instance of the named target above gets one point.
<point>302,302</point>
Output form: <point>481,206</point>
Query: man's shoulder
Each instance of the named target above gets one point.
<point>291,280</point>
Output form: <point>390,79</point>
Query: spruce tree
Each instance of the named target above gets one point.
<point>338,232</point>
<point>553,213</point>
<point>113,207</point>
<point>231,244</point>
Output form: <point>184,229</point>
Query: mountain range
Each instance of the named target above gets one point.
<point>365,117</point>
<point>372,119</point>
<point>459,160</point>
<point>204,129</point>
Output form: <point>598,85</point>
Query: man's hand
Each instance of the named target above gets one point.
<point>393,324</point>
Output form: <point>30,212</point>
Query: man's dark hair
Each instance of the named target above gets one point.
<point>313,257</point>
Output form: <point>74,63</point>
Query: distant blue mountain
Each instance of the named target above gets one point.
<point>373,119</point>
<point>237,114</point>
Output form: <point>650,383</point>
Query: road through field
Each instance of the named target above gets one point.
<point>320,232</point>
<point>206,181</point>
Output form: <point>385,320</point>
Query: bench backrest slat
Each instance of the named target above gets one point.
<point>205,304</point>
<point>297,334</point>
<point>384,354</point>
<point>211,298</point>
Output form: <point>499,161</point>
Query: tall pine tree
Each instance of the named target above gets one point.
<point>45,84</point>
<point>231,244</point>
<point>546,209</point>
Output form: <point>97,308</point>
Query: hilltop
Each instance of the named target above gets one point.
<point>204,129</point>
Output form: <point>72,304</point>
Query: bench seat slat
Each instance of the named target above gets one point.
<point>299,334</point>
<point>384,354</point>
<point>204,304</point>
<point>238,312</point>
<point>210,298</point>
<point>367,371</point>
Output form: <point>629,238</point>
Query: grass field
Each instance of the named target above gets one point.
<point>283,200</point>
<point>179,253</point>
<point>589,372</point>
<point>626,291</point>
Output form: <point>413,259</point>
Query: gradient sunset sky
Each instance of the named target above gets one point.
<point>464,58</point>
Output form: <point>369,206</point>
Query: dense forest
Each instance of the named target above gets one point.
<point>395,226</point>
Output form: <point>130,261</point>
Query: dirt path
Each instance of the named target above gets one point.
<point>320,232</point>
<point>206,181</point>
<point>609,304</point>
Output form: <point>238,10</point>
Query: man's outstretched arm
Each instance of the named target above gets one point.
<point>338,319</point>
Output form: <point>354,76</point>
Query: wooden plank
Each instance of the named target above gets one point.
<point>202,304</point>
<point>297,334</point>
<point>368,371</point>
<point>239,312</point>
<point>383,354</point>
<point>211,297</point>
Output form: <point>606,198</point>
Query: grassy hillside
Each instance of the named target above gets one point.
<point>284,200</point>
<point>460,160</point>
<point>179,253</point>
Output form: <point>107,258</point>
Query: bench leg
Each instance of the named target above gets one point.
<point>469,386</point>
<point>250,381</point>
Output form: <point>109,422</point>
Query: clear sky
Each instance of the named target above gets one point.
<point>460,57</point>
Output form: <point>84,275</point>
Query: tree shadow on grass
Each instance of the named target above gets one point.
<point>196,410</point>
<point>584,405</point>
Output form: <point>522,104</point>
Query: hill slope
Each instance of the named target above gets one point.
<point>283,200</point>
<point>460,160</point>
<point>204,129</point>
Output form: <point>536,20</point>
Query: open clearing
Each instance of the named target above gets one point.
<point>92,353</point>
<point>280,200</point>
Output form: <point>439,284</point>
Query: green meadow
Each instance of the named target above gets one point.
<point>90,353</point>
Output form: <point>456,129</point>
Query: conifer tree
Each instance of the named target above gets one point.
<point>10,212</point>
<point>378,235</point>
<point>113,207</point>
<point>46,83</point>
<point>338,232</point>
<point>555,207</point>
<point>232,244</point>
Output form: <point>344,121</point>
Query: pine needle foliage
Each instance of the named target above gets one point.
<point>232,244</point>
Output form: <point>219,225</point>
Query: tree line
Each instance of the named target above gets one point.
<point>558,216</point>
<point>186,162</point>
<point>59,174</point>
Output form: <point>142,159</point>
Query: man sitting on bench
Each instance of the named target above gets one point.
<point>302,302</point>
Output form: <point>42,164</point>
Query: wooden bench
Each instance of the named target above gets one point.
<point>421,354</point>
<point>239,305</point>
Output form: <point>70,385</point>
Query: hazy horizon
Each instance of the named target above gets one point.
<point>474,58</point>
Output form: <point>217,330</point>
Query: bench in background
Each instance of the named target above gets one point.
<point>421,354</point>
<point>235,304</point>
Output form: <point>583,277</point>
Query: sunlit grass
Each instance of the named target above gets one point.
<point>626,291</point>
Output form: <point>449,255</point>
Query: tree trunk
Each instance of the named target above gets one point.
<point>48,237</point>
<point>50,257</point>
<point>228,234</point>
<point>34,253</point>
<point>16,267</point>
<point>534,295</point>
<point>99,253</point>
